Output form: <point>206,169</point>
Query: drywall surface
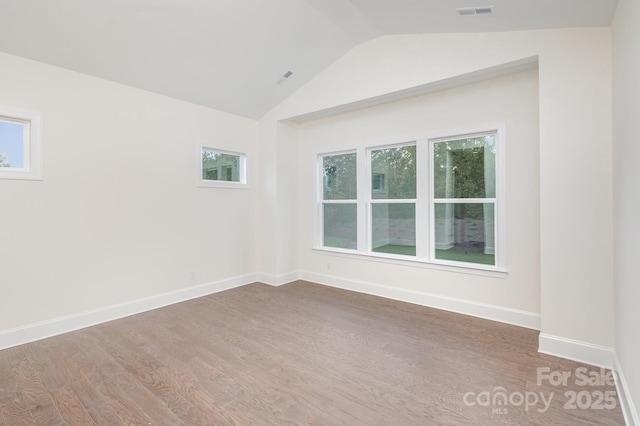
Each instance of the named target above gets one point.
<point>626,166</point>
<point>511,100</point>
<point>118,215</point>
<point>575,125</point>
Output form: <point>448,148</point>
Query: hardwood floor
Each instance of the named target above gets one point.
<point>294,355</point>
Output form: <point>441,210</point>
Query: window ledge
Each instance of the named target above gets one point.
<point>223,184</point>
<point>487,271</point>
<point>20,174</point>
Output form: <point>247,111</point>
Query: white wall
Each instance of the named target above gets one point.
<point>276,214</point>
<point>576,205</point>
<point>118,216</point>
<point>626,162</point>
<point>510,99</point>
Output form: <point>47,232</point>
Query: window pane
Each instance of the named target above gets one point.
<point>220,166</point>
<point>393,173</point>
<point>340,226</point>
<point>11,144</point>
<point>465,168</point>
<point>339,177</point>
<point>394,228</point>
<point>464,232</point>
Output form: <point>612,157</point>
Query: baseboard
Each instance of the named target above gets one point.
<point>624,396</point>
<point>587,353</point>
<point>278,280</point>
<point>495,313</point>
<point>42,330</point>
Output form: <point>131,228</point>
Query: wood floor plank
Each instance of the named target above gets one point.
<point>71,409</point>
<point>33,392</point>
<point>292,355</point>
<point>15,409</point>
<point>97,406</point>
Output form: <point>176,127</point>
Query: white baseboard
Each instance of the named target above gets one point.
<point>278,280</point>
<point>624,396</point>
<point>466,307</point>
<point>42,330</point>
<point>588,353</point>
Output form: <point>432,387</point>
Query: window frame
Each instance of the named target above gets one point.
<point>243,168</point>
<point>31,144</point>
<point>424,204</point>
<point>321,202</point>
<point>370,201</point>
<point>497,201</point>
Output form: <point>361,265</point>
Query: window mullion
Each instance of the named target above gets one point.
<point>422,200</point>
<point>364,199</point>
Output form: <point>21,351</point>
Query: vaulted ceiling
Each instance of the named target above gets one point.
<point>231,55</point>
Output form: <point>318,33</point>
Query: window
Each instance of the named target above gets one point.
<point>339,201</point>
<point>393,208</point>
<point>20,145</point>
<point>464,199</point>
<point>222,168</point>
<point>433,200</point>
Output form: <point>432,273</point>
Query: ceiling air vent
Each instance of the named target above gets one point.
<point>284,77</point>
<point>473,11</point>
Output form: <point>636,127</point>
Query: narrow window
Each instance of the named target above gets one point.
<point>339,201</point>
<point>464,199</point>
<point>393,200</point>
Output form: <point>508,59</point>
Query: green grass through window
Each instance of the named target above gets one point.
<point>396,249</point>
<point>468,256</point>
<point>450,254</point>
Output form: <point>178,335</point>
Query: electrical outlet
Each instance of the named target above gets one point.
<point>328,265</point>
<point>192,275</point>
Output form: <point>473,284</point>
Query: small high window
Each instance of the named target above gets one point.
<point>222,168</point>
<point>20,145</point>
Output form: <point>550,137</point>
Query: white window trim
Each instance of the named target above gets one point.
<point>425,256</point>
<point>498,201</point>
<point>243,171</point>
<point>370,201</point>
<point>32,145</point>
<point>320,201</point>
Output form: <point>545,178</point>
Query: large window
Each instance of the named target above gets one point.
<point>431,200</point>
<point>20,145</point>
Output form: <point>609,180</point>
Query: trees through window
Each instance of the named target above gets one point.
<point>222,168</point>
<point>450,218</point>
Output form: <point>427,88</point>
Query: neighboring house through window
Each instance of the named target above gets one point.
<point>434,200</point>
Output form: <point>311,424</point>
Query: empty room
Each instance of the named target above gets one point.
<point>349,212</point>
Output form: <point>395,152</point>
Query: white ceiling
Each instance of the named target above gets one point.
<point>229,54</point>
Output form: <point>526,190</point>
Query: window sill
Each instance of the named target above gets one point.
<point>481,270</point>
<point>20,174</point>
<point>223,184</point>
